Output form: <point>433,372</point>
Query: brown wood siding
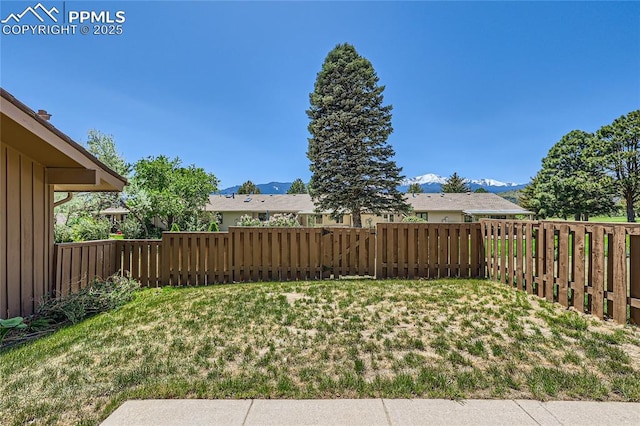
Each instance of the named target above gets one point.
<point>26,233</point>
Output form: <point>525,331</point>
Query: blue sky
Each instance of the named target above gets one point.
<point>480,88</point>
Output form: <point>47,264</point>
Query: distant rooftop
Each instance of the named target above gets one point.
<point>472,203</point>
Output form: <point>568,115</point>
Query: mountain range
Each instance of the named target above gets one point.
<point>429,182</point>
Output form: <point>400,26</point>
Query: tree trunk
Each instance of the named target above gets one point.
<point>631,214</point>
<point>357,219</point>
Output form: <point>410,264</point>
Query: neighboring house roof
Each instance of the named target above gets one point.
<point>69,165</point>
<point>115,210</point>
<point>285,203</point>
<point>471,203</point>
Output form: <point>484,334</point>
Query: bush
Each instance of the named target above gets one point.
<point>246,220</point>
<point>413,219</point>
<point>100,296</point>
<point>131,228</point>
<point>82,228</point>
<point>86,228</point>
<point>289,220</point>
<point>283,220</point>
<point>213,227</point>
<point>175,228</point>
<point>62,233</point>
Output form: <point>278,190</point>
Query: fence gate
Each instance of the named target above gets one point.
<point>348,252</point>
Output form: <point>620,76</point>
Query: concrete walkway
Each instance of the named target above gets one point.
<point>395,412</point>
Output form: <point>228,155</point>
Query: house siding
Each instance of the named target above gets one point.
<point>27,236</point>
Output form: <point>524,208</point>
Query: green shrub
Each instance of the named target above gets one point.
<point>283,220</point>
<point>131,228</point>
<point>413,219</point>
<point>62,233</point>
<point>7,325</point>
<point>175,228</point>
<point>213,227</point>
<point>86,228</point>
<point>288,220</point>
<point>246,220</point>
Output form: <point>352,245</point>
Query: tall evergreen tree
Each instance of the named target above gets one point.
<point>455,183</point>
<point>572,181</point>
<point>297,187</point>
<point>415,188</point>
<point>620,148</point>
<point>248,188</point>
<point>351,161</point>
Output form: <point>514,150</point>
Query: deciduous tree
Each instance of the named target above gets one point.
<point>162,189</point>
<point>351,162</point>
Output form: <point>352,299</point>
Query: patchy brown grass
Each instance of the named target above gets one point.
<point>332,339</point>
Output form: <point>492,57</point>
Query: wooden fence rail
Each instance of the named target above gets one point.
<point>593,267</point>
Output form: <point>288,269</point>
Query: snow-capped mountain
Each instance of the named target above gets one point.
<point>429,182</point>
<point>425,179</point>
<point>433,178</point>
<point>265,188</point>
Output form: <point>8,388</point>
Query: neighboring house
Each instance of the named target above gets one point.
<point>465,207</point>
<point>36,159</point>
<point>260,206</point>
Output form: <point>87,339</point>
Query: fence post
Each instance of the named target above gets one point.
<point>165,258</point>
<point>619,275</point>
<point>634,275</point>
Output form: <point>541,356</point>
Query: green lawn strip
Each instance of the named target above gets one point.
<point>329,339</point>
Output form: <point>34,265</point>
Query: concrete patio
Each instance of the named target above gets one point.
<point>373,412</point>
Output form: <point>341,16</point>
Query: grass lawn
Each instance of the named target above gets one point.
<point>609,219</point>
<point>331,339</point>
<point>602,219</point>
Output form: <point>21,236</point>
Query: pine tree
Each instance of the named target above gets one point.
<point>297,187</point>
<point>351,161</point>
<point>620,148</point>
<point>455,183</point>
<point>572,181</point>
<point>248,188</point>
<point>415,188</point>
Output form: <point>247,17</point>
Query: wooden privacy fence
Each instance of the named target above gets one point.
<point>415,250</point>
<point>265,254</point>
<point>593,267</point>
<point>77,264</point>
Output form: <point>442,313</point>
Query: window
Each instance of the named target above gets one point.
<point>423,215</point>
<point>319,219</point>
<point>262,217</point>
<point>391,218</point>
<point>340,219</point>
<point>468,218</point>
